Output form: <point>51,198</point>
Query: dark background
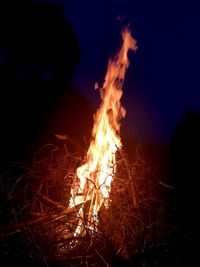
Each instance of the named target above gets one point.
<point>52,54</point>
<point>38,55</point>
<point>163,79</point>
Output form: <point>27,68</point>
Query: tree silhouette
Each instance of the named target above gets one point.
<point>38,43</point>
<point>38,55</point>
<point>185,147</point>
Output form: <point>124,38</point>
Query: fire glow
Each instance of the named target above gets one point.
<point>94,177</point>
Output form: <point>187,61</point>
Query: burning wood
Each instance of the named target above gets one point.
<point>42,221</point>
<point>94,178</point>
<point>56,216</point>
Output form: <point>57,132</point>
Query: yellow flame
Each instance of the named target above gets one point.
<point>95,176</point>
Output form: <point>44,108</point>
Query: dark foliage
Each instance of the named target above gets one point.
<point>184,158</point>
<point>38,55</point>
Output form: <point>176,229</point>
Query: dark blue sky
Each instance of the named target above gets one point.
<point>163,79</point>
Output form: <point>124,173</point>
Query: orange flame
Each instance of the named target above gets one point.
<point>95,176</point>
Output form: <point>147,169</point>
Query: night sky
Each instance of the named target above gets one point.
<point>163,79</point>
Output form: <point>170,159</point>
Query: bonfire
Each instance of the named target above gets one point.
<point>94,177</point>
<point>83,209</point>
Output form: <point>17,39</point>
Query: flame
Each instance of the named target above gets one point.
<point>93,185</point>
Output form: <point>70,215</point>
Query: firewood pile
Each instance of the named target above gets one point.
<point>37,225</point>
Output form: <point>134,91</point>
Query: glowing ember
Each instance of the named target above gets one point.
<point>94,178</point>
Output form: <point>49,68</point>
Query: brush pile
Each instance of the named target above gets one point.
<point>37,226</point>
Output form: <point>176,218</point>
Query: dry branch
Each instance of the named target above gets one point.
<point>42,209</point>
<point>51,202</point>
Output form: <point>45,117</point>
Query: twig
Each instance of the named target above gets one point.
<point>76,258</point>
<point>166,185</point>
<point>51,202</point>
<point>101,258</point>
<point>37,246</point>
<point>130,178</point>
<point>36,194</point>
<point>11,234</point>
<point>24,224</point>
